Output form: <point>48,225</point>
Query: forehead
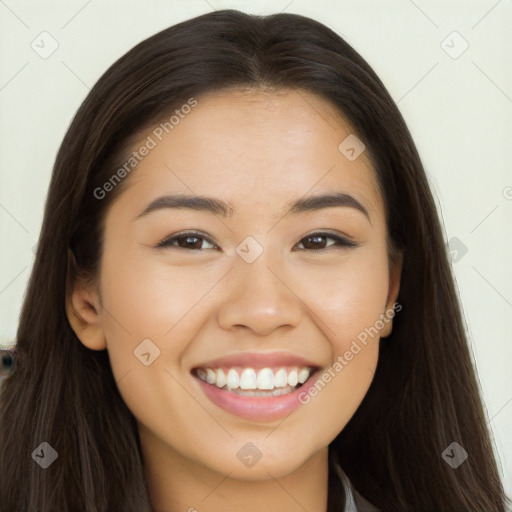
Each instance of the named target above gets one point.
<point>246,146</point>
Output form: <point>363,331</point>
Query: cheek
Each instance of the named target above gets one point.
<point>145,297</point>
<point>348,297</point>
<point>338,392</point>
<point>349,304</point>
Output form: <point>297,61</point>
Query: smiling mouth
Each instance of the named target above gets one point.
<point>251,382</point>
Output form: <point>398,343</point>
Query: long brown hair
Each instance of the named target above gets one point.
<point>424,395</point>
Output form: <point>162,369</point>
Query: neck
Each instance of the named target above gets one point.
<point>179,484</point>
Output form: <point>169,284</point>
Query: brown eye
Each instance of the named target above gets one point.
<point>317,241</point>
<point>189,240</point>
<point>313,242</point>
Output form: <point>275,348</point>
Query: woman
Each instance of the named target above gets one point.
<point>304,359</point>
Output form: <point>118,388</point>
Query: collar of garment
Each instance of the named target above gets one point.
<point>354,502</point>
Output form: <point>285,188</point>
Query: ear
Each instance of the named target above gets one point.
<point>395,274</point>
<point>82,307</point>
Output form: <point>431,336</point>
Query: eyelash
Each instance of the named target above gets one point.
<point>341,242</point>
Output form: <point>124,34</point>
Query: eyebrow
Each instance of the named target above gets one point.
<point>219,207</point>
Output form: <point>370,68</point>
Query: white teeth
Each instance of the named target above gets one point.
<point>210,376</point>
<point>263,382</point>
<point>232,380</point>
<point>265,379</point>
<point>281,378</point>
<point>276,392</point>
<point>303,375</point>
<point>293,378</point>
<point>248,379</point>
<point>221,378</point>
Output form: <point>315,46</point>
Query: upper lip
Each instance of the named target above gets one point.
<point>258,360</point>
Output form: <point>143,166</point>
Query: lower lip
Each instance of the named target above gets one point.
<point>256,408</point>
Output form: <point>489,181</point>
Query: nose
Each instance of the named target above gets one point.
<point>259,298</point>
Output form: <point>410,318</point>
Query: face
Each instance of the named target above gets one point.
<point>202,310</point>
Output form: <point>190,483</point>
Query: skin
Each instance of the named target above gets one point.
<point>257,150</point>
